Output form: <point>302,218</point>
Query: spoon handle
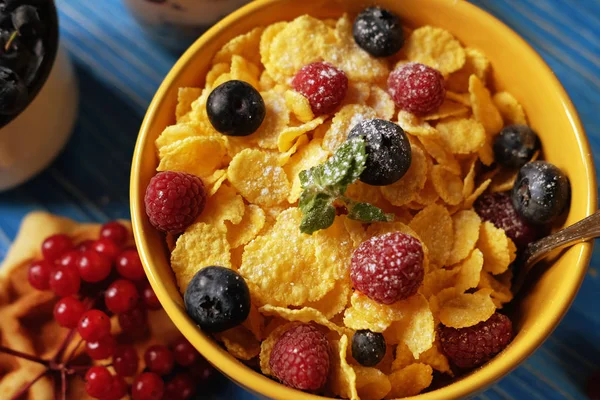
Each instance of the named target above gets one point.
<point>584,230</point>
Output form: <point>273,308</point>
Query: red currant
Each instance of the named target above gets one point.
<point>98,380</point>
<point>93,325</point>
<point>69,259</point>
<point>134,320</point>
<point>125,360</point>
<point>93,267</point>
<point>55,246</point>
<point>101,349</point>
<point>181,387</point>
<point>150,298</point>
<point>121,296</point>
<point>107,248</point>
<point>39,274</point>
<point>129,265</point>
<point>85,245</point>
<point>65,280</point>
<point>117,390</point>
<point>114,231</point>
<point>202,371</point>
<point>147,386</point>
<point>159,359</point>
<point>185,354</point>
<point>68,312</point>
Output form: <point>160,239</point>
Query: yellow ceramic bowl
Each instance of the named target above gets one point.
<point>516,67</point>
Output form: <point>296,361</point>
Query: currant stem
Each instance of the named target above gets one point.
<point>63,346</point>
<point>29,357</point>
<point>63,383</point>
<point>25,388</point>
<point>73,351</point>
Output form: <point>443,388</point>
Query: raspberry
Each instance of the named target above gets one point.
<point>499,210</point>
<point>174,200</point>
<point>473,346</point>
<point>300,358</point>
<point>417,88</point>
<point>323,85</point>
<point>388,268</point>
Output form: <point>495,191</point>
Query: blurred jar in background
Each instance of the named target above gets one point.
<point>176,24</point>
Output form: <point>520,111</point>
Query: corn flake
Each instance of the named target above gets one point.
<point>358,93</point>
<point>448,185</point>
<point>404,190</point>
<point>448,108</point>
<point>466,233</point>
<point>435,47</point>
<point>469,271</point>
<point>246,45</point>
<point>282,266</point>
<point>436,359</point>
<point>437,280</point>
<point>284,158</point>
<point>343,122</point>
<point>224,205</point>
<point>380,101</point>
<point>184,154</point>
<point>504,180</point>
<point>461,135</point>
<point>501,290</point>
<point>462,98</point>
<point>307,157</point>
<point>469,200</point>
<point>418,330</point>
<point>277,118</point>
<point>342,378</point>
<point>288,135</point>
<point>240,342</point>
<point>299,106</point>
<point>415,125</point>
<point>511,111</point>
<point>483,107</point>
<point>371,383</point>
<point>201,245</point>
<point>435,148</point>
<point>255,322</point>
<point>185,97</point>
<point>247,229</point>
<point>244,70</point>
<point>467,309</point>
<point>497,248</point>
<point>336,300</point>
<point>433,224</point>
<point>257,176</point>
<point>476,63</point>
<point>305,314</point>
<point>410,380</point>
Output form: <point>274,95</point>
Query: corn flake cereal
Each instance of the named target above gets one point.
<point>469,200</point>
<point>497,248</point>
<point>435,47</point>
<point>305,314</point>
<point>184,154</point>
<point>435,148</point>
<point>417,330</point>
<point>466,233</point>
<point>252,222</point>
<point>461,135</point>
<point>511,111</point>
<point>476,63</point>
<point>282,265</point>
<point>343,122</point>
<point>462,98</point>
<point>371,383</point>
<point>307,157</point>
<point>469,271</point>
<point>380,101</point>
<point>415,125</point>
<point>433,224</point>
<point>257,176</point>
<point>240,342</point>
<point>436,359</point>
<point>224,205</point>
<point>403,191</point>
<point>185,97</point>
<point>335,301</point>
<point>246,45</point>
<point>410,380</point>
<point>277,118</point>
<point>288,135</point>
<point>199,246</point>
<point>467,309</point>
<point>448,185</point>
<point>501,290</point>
<point>342,378</point>
<point>358,93</point>
<point>299,106</point>
<point>484,109</point>
<point>448,108</point>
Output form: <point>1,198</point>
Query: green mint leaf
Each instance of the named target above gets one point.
<point>366,212</point>
<point>347,164</point>
<point>318,213</point>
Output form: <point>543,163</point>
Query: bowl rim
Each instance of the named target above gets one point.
<point>260,384</point>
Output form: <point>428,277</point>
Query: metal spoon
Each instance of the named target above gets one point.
<point>582,231</point>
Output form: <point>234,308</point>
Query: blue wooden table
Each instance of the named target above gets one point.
<point>119,69</point>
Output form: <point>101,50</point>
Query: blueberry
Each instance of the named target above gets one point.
<point>541,192</point>
<point>27,21</point>
<point>378,32</point>
<point>217,299</point>
<point>235,108</point>
<point>13,92</point>
<point>368,348</point>
<point>388,151</point>
<point>515,145</point>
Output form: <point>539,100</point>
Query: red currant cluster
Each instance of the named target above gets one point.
<point>105,269</point>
